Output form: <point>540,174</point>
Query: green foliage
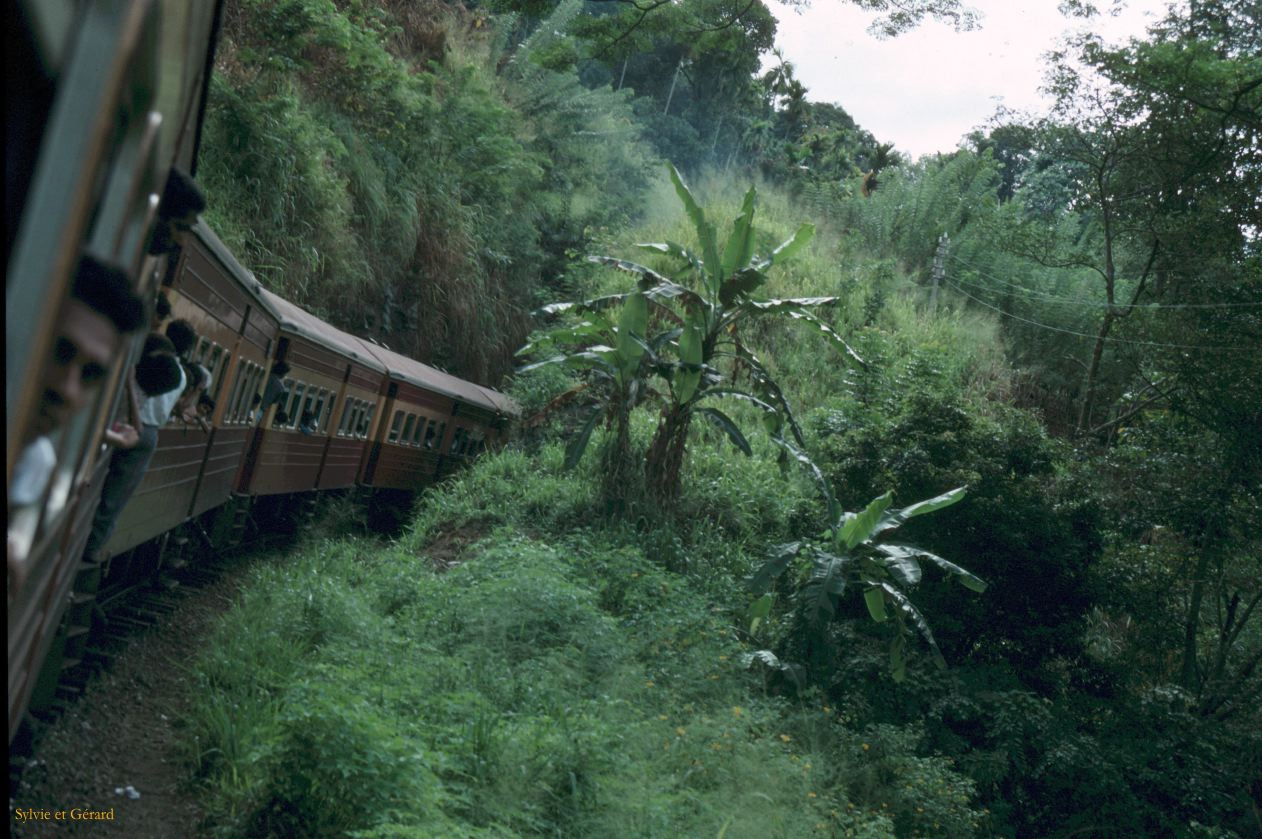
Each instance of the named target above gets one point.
<point>929,439</point>
<point>568,686</point>
<point>351,155</point>
<point>704,318</point>
<point>848,555</point>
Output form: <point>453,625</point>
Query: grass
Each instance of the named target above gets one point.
<point>558,684</point>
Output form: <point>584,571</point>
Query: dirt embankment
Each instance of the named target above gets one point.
<point>123,733</point>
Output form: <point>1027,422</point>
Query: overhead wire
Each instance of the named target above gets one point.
<point>1065,301</point>
<point>1048,326</point>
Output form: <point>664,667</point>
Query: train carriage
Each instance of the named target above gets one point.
<point>300,444</point>
<point>194,470</point>
<point>101,98</point>
<point>105,97</point>
<point>431,422</point>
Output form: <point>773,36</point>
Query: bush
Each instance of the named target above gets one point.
<point>1018,528</point>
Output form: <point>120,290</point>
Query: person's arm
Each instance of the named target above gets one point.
<point>126,435</point>
<point>122,436</point>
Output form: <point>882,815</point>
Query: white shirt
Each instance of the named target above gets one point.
<point>156,410</point>
<point>31,472</point>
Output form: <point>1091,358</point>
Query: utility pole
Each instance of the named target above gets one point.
<point>939,270</point>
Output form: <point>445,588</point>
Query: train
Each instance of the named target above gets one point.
<point>105,98</point>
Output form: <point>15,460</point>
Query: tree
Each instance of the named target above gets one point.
<point>698,356</point>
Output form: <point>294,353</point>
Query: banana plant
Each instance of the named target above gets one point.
<point>613,353</point>
<point>710,297</point>
<point>851,555</point>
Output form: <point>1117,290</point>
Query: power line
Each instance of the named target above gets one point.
<point>1096,337</point>
<point>1065,301</point>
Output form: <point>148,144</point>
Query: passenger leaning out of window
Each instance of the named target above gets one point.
<point>90,329</point>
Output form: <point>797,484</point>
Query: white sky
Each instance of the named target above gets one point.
<point>924,90</point>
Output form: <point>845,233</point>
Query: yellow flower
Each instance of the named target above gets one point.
<point>736,712</point>
<point>649,683</point>
<point>681,731</point>
<point>722,658</point>
<point>810,795</point>
<point>866,747</point>
<point>786,738</point>
<point>662,717</point>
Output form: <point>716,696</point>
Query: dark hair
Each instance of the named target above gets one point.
<point>106,289</point>
<point>157,343</point>
<point>258,399</point>
<point>182,196</point>
<point>162,308</point>
<point>157,374</point>
<point>182,335</point>
<point>280,368</point>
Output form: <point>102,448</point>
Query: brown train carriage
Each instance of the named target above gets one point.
<point>332,381</point>
<point>192,470</point>
<point>425,413</point>
<point>104,97</point>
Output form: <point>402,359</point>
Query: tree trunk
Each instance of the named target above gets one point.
<point>674,79</point>
<point>616,473</point>
<point>665,460</point>
<point>1093,373</point>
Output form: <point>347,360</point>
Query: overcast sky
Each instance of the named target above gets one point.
<point>924,90</point>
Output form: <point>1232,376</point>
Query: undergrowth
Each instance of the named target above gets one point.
<point>559,680</point>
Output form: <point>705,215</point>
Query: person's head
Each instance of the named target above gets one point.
<point>161,310</point>
<point>182,201</point>
<point>157,344</point>
<point>257,400</point>
<point>158,373</point>
<point>280,369</point>
<point>182,335</point>
<point>205,405</point>
<point>101,309</point>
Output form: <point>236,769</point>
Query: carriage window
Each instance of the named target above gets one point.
<point>326,418</point>
<point>238,388</point>
<point>296,391</point>
<point>255,388</point>
<point>419,435</point>
<point>347,416</point>
<point>241,403</point>
<point>366,422</point>
<point>218,365</point>
<point>315,408</point>
<point>394,427</point>
<point>439,433</point>
<point>357,416</point>
<point>458,441</point>
<point>406,437</point>
<point>307,414</point>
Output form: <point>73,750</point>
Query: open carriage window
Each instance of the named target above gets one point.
<point>395,425</point>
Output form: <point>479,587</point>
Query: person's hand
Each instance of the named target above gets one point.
<point>122,436</point>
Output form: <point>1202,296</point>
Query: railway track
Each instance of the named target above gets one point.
<point>114,618</point>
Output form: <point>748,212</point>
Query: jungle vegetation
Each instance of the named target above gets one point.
<point>854,495</point>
